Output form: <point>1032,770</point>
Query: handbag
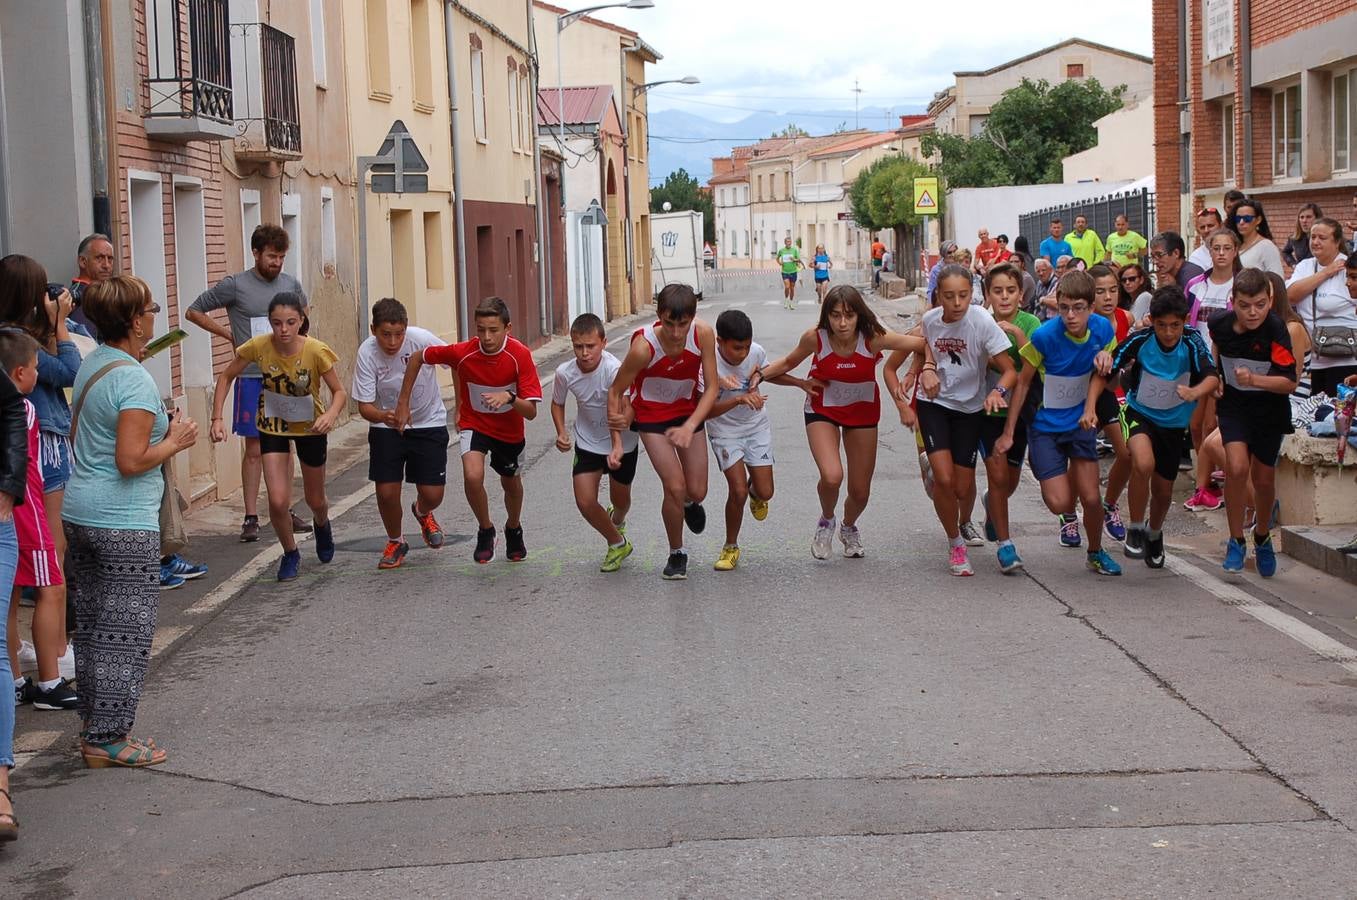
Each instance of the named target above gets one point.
<point>1330,341</point>
<point>173,536</point>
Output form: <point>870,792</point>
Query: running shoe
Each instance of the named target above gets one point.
<point>1009,560</point>
<point>758,508</point>
<point>1069,531</point>
<point>325,542</point>
<point>676,569</point>
<point>1112,522</point>
<point>926,470</point>
<point>1264,556</point>
<point>514,548</point>
<point>66,663</point>
<point>58,696</point>
<point>852,542</point>
<point>1204,499</point>
<point>1134,548</point>
<point>28,657</point>
<point>170,582</point>
<point>300,525</point>
<point>186,570</point>
<point>290,565</point>
<point>1185,462</point>
<point>1154,551</point>
<point>621,526</point>
<point>429,528</point>
<point>1102,563</point>
<point>728,558</point>
<point>695,517</point>
<point>485,545</point>
<point>1235,551</point>
<point>249,530</point>
<point>971,535</point>
<point>1104,446</point>
<point>393,555</point>
<point>990,533</point>
<point>823,542</point>
<point>958,562</point>
<point>612,560</point>
<point>21,691</point>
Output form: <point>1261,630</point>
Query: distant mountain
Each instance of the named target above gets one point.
<point>682,140</point>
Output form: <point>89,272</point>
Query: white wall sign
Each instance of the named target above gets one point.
<point>1219,28</point>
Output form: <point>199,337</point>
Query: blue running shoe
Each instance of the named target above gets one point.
<point>1069,531</point>
<point>1264,556</point>
<point>325,542</point>
<point>177,565</point>
<point>1116,529</point>
<point>1102,563</point>
<point>1235,551</point>
<point>290,565</point>
<point>1009,560</point>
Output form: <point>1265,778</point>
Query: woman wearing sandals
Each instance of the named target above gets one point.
<point>111,515</point>
<point>13,472</point>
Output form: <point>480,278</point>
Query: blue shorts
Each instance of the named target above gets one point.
<point>55,452</point>
<point>245,407</point>
<point>1049,454</point>
<point>820,279</point>
<point>789,276</point>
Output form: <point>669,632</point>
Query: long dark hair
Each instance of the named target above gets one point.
<point>847,295</point>
<point>1312,207</point>
<point>1126,301</point>
<point>1263,228</point>
<point>292,300</point>
<point>23,296</point>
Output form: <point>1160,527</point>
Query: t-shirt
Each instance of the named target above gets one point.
<point>821,266</point>
<point>1329,304</point>
<point>1053,249</point>
<point>246,296</point>
<point>741,421</point>
<point>1152,373</point>
<point>1127,248</point>
<point>1201,258</point>
<point>878,250</point>
<point>1186,272</point>
<point>591,403</point>
<point>1028,323</point>
<point>788,257</point>
<point>30,516</point>
<point>511,368</point>
<point>1265,351</point>
<point>887,260</point>
<point>962,351</point>
<point>290,400</point>
<point>1066,366</point>
<point>98,495</point>
<point>377,379</point>
<point>1208,298</point>
<point>989,252</point>
<point>1088,246</point>
<point>1262,255</point>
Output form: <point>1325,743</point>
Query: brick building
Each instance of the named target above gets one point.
<point>1258,96</point>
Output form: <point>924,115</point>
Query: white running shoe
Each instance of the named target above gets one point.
<point>852,542</point>
<point>823,541</point>
<point>28,657</point>
<point>66,663</point>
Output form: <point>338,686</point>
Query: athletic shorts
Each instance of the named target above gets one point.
<point>789,276</point>
<point>312,449</point>
<point>245,407</point>
<point>821,280</point>
<point>55,453</point>
<point>662,427</point>
<point>1165,443</point>
<point>504,457</point>
<point>1264,440</point>
<point>755,449</point>
<point>821,417</point>
<point>992,428</point>
<point>38,568</point>
<point>1049,454</point>
<point>1108,408</point>
<point>415,456</point>
<point>586,462</point>
<point>947,429</point>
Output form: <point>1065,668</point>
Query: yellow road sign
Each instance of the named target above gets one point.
<point>925,196</point>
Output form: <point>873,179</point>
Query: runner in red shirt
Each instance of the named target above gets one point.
<point>497,390</point>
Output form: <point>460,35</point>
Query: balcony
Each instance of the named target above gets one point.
<point>188,62</point>
<point>265,88</point>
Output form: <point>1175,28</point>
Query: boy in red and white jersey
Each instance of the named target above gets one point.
<point>497,391</point>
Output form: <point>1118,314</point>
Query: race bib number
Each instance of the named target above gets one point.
<point>289,408</point>
<point>846,393</point>
<point>1229,364</point>
<point>1065,391</point>
<point>474,395</point>
<point>1159,393</point>
<point>667,390</point>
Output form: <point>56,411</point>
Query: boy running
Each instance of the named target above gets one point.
<point>789,257</point>
<point>1105,298</point>
<point>419,454</point>
<point>497,391</point>
<point>598,448</point>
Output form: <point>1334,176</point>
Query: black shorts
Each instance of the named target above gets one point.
<point>587,461</point>
<point>312,449</point>
<point>947,429</point>
<point>415,456</point>
<point>1165,443</point>
<point>992,428</point>
<point>1108,408</point>
<point>505,458</point>
<point>1264,439</point>
<point>661,427</point>
<point>820,417</point>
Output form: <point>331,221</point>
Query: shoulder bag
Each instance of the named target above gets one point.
<point>1330,341</point>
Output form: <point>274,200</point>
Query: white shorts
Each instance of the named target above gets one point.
<point>755,449</point>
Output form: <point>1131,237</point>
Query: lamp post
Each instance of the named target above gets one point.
<point>642,88</point>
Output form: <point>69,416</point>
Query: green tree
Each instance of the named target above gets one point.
<point>791,131</point>
<point>683,191</point>
<point>882,196</point>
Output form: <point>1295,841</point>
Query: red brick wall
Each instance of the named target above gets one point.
<point>1167,153</point>
<point>1276,19</point>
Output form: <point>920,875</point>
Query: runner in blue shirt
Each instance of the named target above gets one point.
<point>822,266</point>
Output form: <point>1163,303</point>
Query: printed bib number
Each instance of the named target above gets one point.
<point>289,408</point>
<point>474,394</point>
<point>1154,392</point>
<point>667,390</point>
<point>846,393</point>
<point>1065,391</point>
<point>1229,364</point>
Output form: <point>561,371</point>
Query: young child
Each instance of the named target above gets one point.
<point>497,391</point>
<point>419,454</point>
<point>1106,297</point>
<point>1167,370</point>
<point>598,449</point>
<point>1253,354</point>
<point>1071,353</point>
<point>290,414</point>
<point>39,567</point>
<point>739,429</point>
<point>963,341</point>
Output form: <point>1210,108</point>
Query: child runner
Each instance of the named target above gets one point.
<point>670,372</point>
<point>39,566</point>
<point>290,413</point>
<point>1253,354</point>
<point>1208,294</point>
<point>822,266</point>
<point>963,341</point>
<point>419,454</point>
<point>1071,353</point>
<point>497,391</point>
<point>598,449</point>
<point>789,257</point>
<point>1167,370</point>
<point>1106,303</point>
<point>842,403</point>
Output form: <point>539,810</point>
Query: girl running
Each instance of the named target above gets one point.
<point>822,266</point>
<point>843,403</point>
<point>1209,294</point>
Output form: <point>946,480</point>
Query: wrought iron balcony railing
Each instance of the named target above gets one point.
<point>188,61</point>
<point>267,124</point>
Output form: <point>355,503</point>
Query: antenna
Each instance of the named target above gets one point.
<point>857,97</point>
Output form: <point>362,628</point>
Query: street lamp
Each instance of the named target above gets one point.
<point>686,79</point>
<point>564,21</point>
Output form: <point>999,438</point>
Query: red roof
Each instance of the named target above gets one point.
<point>590,19</point>
<point>583,105</point>
<point>862,142</point>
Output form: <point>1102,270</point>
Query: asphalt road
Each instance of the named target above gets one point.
<point>796,728</point>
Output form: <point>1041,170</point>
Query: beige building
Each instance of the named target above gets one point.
<point>1125,148</point>
<point>823,212</point>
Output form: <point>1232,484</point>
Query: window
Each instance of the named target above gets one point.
<point>379,51</point>
<point>433,251</point>
<point>421,55</point>
<point>515,123</point>
<point>1344,103</point>
<point>525,109</point>
<point>1227,142</point>
<point>328,253</point>
<point>977,125</point>
<point>403,255</point>
<point>1286,132</point>
<point>786,185</point>
<point>746,243</point>
<point>1074,70</point>
<point>291,209</point>
<point>478,91</point>
<point>760,183</point>
<point>318,41</point>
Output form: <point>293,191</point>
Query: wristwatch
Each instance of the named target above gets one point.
<point>1001,391</point>
<point>513,395</point>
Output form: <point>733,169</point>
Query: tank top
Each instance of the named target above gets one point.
<point>667,388</point>
<point>850,396</point>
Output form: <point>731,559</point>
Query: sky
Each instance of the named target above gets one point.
<point>797,55</point>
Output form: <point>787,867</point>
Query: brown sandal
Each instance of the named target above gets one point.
<point>9,830</point>
<point>127,753</point>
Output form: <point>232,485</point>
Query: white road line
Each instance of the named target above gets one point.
<point>772,303</point>
<point>1321,644</point>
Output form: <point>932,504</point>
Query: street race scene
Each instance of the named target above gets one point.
<point>658,449</point>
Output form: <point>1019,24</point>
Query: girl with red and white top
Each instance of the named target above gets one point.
<point>843,402</point>
<point>664,390</point>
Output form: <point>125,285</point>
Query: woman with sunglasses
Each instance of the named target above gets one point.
<point>1256,250</point>
<point>1133,289</point>
<point>1298,245</point>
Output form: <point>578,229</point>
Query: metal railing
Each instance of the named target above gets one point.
<point>1137,206</point>
<point>266,114</point>
<point>188,58</point>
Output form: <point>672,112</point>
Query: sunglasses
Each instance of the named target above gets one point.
<point>1209,211</point>
<point>1246,219</point>
<point>1127,279</point>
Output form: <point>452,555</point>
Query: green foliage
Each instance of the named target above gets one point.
<point>1032,128</point>
<point>791,131</point>
<point>684,192</point>
<point>882,196</point>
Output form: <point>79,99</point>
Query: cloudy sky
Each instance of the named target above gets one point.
<point>798,55</point>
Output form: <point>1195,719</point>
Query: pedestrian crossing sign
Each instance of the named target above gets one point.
<point>925,196</point>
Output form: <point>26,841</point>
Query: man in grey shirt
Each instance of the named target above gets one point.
<point>246,296</point>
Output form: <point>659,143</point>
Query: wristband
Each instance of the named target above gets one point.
<point>930,367</point>
<point>1001,391</point>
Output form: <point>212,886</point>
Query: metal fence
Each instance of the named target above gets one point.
<point>723,281</point>
<point>1137,206</point>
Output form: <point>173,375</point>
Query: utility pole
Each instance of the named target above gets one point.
<point>857,97</point>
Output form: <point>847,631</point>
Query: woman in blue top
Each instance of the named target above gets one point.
<point>822,266</point>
